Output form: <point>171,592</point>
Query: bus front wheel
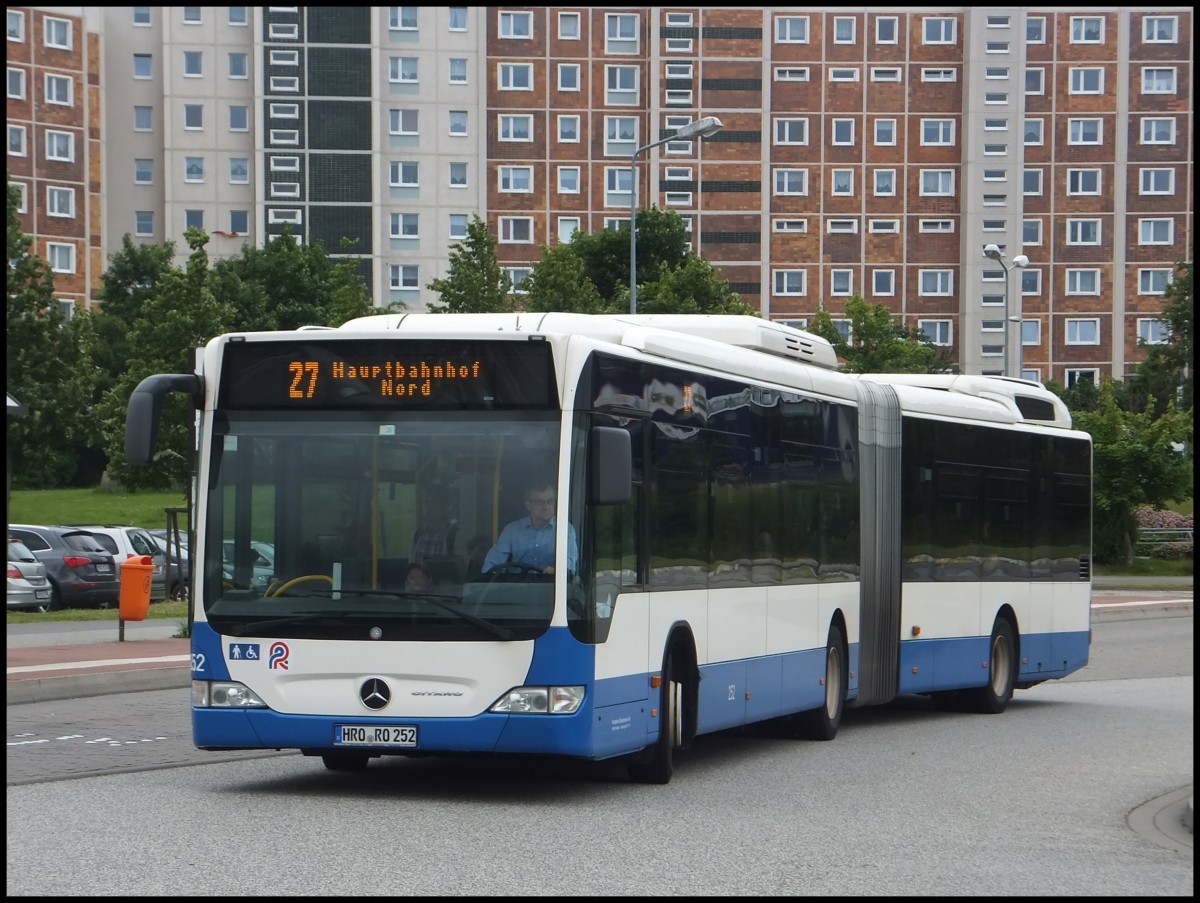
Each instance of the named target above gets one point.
<point>656,765</point>
<point>993,697</point>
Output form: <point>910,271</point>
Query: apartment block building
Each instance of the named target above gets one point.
<point>870,151</point>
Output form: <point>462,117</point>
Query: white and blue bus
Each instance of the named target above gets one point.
<point>757,536</point>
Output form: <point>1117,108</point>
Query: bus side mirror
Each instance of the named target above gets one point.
<point>611,465</point>
<point>145,411</point>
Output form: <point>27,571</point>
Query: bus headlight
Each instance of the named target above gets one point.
<point>540,701</point>
<point>224,694</point>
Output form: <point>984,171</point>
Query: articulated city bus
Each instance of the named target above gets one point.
<point>736,533</point>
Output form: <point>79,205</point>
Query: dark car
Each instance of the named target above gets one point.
<point>81,573</point>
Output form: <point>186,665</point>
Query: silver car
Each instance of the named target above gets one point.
<point>28,588</point>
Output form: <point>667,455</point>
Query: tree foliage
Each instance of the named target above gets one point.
<point>560,282</point>
<point>475,282</point>
<point>879,343</point>
<point>46,370</point>
<point>1137,460</point>
<point>1168,369</point>
<point>691,287</point>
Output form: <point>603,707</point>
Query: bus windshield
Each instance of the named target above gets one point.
<point>366,523</point>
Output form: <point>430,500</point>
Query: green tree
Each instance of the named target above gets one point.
<point>691,287</point>
<point>1136,461</point>
<point>559,281</point>
<point>46,370</point>
<point>662,244</point>
<point>475,282</point>
<point>879,343</point>
<point>285,285</point>
<point>1168,369</point>
<point>181,317</point>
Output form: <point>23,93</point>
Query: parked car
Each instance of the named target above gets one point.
<point>82,573</point>
<point>28,588</point>
<point>126,541</point>
<point>179,571</point>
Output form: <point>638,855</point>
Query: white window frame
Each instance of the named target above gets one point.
<point>284,110</point>
<point>844,74</point>
<point>841,184</point>
<point>1083,281</point>
<point>934,74</point>
<point>841,281</point>
<point>1079,180</point>
<point>1084,231</point>
<point>143,223</point>
<point>791,73</point>
<point>789,283</point>
<point>1151,33</point>
<point>453,167</point>
<point>842,133</point>
<point>1087,79</point>
<point>935,283</point>
<point>936,226</point>
<point>1152,331</point>
<point>939,30</point>
<point>885,140</point>
<point>1082,330</point>
<point>512,179</point>
<point>404,277</point>
<point>883,283</point>
<point>457,18</point>
<point>404,225</point>
<point>1148,277</point>
<point>567,225</point>
<point>293,216</point>
<point>404,174</point>
<point>569,34</point>
<point>54,137</point>
<point>193,170</point>
<point>1031,181</point>
<point>457,71</point>
<point>1031,232</point>
<point>17,83</point>
<point>516,26</point>
<point>1160,80</point>
<point>18,141</point>
<point>16,26</point>
<point>245,70</point>
<point>791,29</point>
<point>944,177</point>
<point>1075,125</point>
<point>402,18</point>
<point>885,74</point>
<point>938,332</point>
<point>841,226</point>
<point>60,201</point>
<point>454,220</point>
<point>840,35</point>
<point>791,130</point>
<point>193,64</point>
<point>1150,126</point>
<point>284,163</point>
<point>622,33</point>
<point>60,257</point>
<point>877,226</point>
<point>1035,80</point>
<point>894,23</point>
<point>566,176</point>
<point>514,76</point>
<point>139,170</point>
<point>285,57</point>
<point>57,33</point>
<point>614,144</point>
<point>785,176</point>
<point>1079,29</point>
<point>883,190</point>
<point>1031,126</point>
<point>284,84</point>
<point>1147,177</point>
<point>511,228</point>
<point>1035,29</point>
<point>1077,375</point>
<point>404,70</point>
<point>236,178</point>
<point>283,31</point>
<point>565,81</point>
<point>191,110</point>
<point>618,186</point>
<point>937,132</point>
<point>458,123</point>
<point>56,86</point>
<point>615,93</point>
<point>1031,282</point>
<point>563,123</point>
<point>285,189</point>
<point>789,224</point>
<point>1149,226</point>
<point>284,137</point>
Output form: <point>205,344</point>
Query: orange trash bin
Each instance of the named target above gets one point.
<point>137,571</point>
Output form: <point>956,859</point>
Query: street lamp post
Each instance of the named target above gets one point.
<point>993,252</point>
<point>1020,344</point>
<point>701,128</point>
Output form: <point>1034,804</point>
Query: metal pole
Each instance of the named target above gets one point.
<point>1007,325</point>
<point>633,232</point>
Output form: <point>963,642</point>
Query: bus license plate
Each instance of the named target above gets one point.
<point>375,735</point>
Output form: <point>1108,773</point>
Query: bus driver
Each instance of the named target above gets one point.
<point>530,540</point>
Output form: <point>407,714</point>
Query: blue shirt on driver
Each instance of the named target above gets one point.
<point>524,543</point>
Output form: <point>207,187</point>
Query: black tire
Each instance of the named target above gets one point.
<point>657,764</point>
<point>993,697</point>
<point>823,723</point>
<point>56,599</point>
<point>345,761</point>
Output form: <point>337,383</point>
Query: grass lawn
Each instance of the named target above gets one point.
<point>94,506</point>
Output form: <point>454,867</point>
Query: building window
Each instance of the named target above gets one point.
<point>193,64</point>
<point>239,222</point>
<point>516,179</point>
<point>621,85</point>
<point>193,116</point>
<point>193,169</point>
<point>285,164</point>
<point>883,283</point>
<point>285,110</point>
<point>843,132</point>
<point>1083,231</point>
<point>1035,80</point>
<point>567,226</point>
<point>937,332</point>
<point>16,26</point>
<point>1035,29</point>
<point>1083,282</point>
<point>568,26</point>
<point>1083,181</point>
<point>618,187</point>
<point>791,130</point>
<point>404,276</point>
<point>143,172</point>
<point>1083,331</point>
<point>938,30</point>
<point>842,226</point>
<point>238,15</point>
<point>458,122</point>
<point>239,118</point>
<point>841,282</point>
<point>1088,80</point>
<point>57,33</point>
<point>1156,181</point>
<point>996,72</point>
<point>516,25</point>
<point>791,29</point>
<point>885,182</point>
<point>285,57</point>
<point>402,18</point>
<point>937,182</point>
<point>843,30</point>
<point>791,73</point>
<point>1031,182</point>
<point>842,183</point>
<point>843,75</point>
<point>620,136</point>
<point>996,47</point>
<point>61,257</point>
<point>239,170</point>
<point>1034,129</point>
<point>622,33</point>
<point>936,225</point>
<point>1158,130</point>
<point>143,119</point>
<point>143,223</point>
<point>790,282</point>
<point>935,282</point>
<point>458,226</point>
<point>1087,30</point>
<point>1085,131</point>
<point>239,65</point>
<point>568,129</point>
<point>59,146</point>
<point>288,137</point>
<point>1153,281</point>
<point>791,182</point>
<point>281,31</point>
<point>405,225</point>
<point>60,201</point>
<point>1082,376</point>
<point>1152,332</point>
<point>939,75</point>
<point>1031,282</point>
<point>16,84</point>
<point>516,127</point>
<point>781,224</point>
<point>17,144</point>
<point>883,226</point>
<point>285,189</point>
<point>517,277</point>
<point>887,29</point>
<point>516,230</point>
<point>568,76</point>
<point>402,122</point>
<point>1160,29</point>
<point>1158,80</point>
<point>1156,231</point>
<point>1031,232</point>
<point>937,132</point>
<point>568,179</point>
<point>885,132</point>
<point>59,90</point>
<point>404,70</point>
<point>458,18</point>
<point>458,175</point>
<point>403,174</point>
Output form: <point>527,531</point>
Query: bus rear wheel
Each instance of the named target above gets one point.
<point>656,765</point>
<point>823,723</point>
<point>993,697</point>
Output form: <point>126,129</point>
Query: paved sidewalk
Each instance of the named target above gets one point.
<point>47,664</point>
